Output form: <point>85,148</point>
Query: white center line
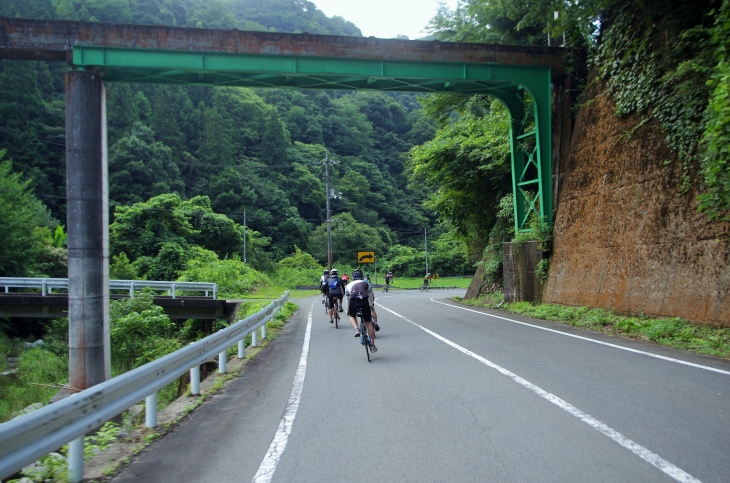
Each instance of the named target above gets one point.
<point>278,444</point>
<point>615,346</point>
<point>640,451</point>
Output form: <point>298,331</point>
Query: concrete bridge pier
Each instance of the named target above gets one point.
<point>521,283</point>
<point>87,198</point>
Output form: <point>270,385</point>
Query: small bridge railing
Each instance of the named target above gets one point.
<point>27,438</point>
<point>47,285</point>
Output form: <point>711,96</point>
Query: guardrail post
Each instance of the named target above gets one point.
<point>173,290</point>
<point>255,338</point>
<point>76,460</point>
<point>195,380</point>
<point>263,331</point>
<point>43,287</point>
<point>150,410</point>
<point>131,290</point>
<point>241,348</point>
<point>215,291</point>
<point>222,363</point>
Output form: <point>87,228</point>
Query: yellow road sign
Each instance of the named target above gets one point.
<point>365,257</point>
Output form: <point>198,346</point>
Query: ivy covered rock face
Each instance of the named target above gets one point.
<point>626,236</point>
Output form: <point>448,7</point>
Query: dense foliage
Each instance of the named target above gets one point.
<point>658,66</point>
<point>253,155</point>
<point>28,248</point>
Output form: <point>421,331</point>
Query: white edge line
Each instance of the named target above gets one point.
<point>615,346</point>
<point>278,444</point>
<point>642,452</point>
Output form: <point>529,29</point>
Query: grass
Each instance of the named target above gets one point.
<point>671,332</point>
<point>40,375</point>
<point>416,282</point>
<point>274,292</point>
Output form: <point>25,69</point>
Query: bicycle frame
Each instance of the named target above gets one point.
<point>364,335</point>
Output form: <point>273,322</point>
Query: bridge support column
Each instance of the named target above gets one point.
<point>88,230</point>
<point>521,283</point>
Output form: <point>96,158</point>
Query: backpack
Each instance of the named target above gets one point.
<point>334,285</point>
<point>359,290</point>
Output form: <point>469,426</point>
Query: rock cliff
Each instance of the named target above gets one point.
<point>625,237</point>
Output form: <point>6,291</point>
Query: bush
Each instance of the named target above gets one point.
<point>139,332</point>
<point>40,374</point>
<point>299,268</point>
<point>234,279</point>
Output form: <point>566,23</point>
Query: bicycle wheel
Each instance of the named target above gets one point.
<point>336,314</point>
<point>423,287</point>
<point>428,287</point>
<point>365,338</point>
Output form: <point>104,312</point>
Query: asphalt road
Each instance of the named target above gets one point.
<point>454,394</point>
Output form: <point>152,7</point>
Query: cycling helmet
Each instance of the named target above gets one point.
<point>334,271</point>
<point>326,272</point>
<point>357,275</point>
<point>428,274</point>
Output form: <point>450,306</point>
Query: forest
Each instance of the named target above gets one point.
<point>218,156</point>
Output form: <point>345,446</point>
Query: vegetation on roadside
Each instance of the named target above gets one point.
<point>135,319</point>
<point>672,332</point>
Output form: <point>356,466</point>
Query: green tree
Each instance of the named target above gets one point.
<point>27,224</point>
<point>142,229</point>
<point>523,22</point>
<point>40,9</point>
<point>138,330</point>
<point>348,237</point>
<point>31,127</point>
<point>466,168</point>
<point>141,167</point>
<point>213,231</point>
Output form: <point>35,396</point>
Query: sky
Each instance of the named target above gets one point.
<point>385,18</point>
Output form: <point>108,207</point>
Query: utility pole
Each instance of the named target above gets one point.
<point>328,195</point>
<point>425,239</point>
<point>244,238</point>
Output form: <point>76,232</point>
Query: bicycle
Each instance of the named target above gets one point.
<point>336,312</point>
<point>425,287</point>
<point>386,287</point>
<point>364,336</point>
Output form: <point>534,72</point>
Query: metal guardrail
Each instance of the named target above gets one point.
<point>26,438</point>
<point>47,285</point>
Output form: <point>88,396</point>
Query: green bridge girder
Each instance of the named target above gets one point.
<point>523,89</point>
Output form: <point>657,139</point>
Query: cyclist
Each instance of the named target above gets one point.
<point>427,279</point>
<point>357,291</point>
<point>345,278</point>
<point>388,279</point>
<point>323,285</point>
<point>335,288</point>
<point>371,299</point>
